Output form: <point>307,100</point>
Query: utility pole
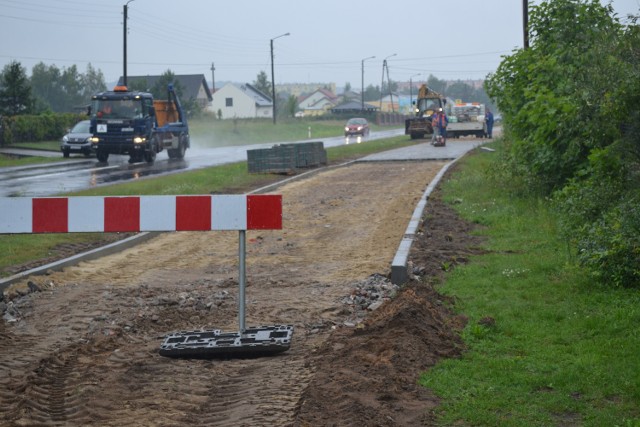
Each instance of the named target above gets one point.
<point>273,81</point>
<point>362,88</point>
<point>213,78</point>
<point>124,39</point>
<point>384,65</point>
<point>525,23</point>
<point>411,90</point>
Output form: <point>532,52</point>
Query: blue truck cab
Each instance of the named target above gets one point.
<point>133,123</point>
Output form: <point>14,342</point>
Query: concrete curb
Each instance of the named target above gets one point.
<point>399,273</point>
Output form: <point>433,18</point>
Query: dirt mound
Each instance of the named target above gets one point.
<point>368,375</point>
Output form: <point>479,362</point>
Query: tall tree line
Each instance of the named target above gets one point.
<point>48,89</point>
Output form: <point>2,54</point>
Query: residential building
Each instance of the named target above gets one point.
<point>317,103</point>
<point>241,101</point>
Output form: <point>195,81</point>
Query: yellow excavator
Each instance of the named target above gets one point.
<point>428,103</point>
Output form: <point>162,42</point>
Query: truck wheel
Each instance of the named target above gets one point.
<point>150,156</point>
<point>102,156</point>
<point>182,149</point>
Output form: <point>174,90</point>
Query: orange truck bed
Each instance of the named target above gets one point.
<point>165,112</point>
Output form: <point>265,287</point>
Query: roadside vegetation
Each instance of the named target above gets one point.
<point>546,344</point>
<point>572,105</point>
<point>553,306</point>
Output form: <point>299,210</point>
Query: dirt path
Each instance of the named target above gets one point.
<point>84,350</point>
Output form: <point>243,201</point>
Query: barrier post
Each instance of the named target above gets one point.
<point>242,279</point>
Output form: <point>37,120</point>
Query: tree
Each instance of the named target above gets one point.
<point>262,83</point>
<point>347,87</point>
<point>291,105</point>
<point>572,106</point>
<point>461,90</point>
<point>92,82</point>
<point>436,84</point>
<point>15,91</point>
<point>372,93</point>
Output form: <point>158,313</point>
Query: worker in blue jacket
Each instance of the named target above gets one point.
<point>488,118</point>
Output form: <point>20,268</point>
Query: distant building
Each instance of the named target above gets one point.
<point>300,89</point>
<point>194,86</point>
<point>317,103</point>
<point>241,101</point>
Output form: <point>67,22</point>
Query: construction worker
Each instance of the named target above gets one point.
<point>439,122</point>
<point>488,118</point>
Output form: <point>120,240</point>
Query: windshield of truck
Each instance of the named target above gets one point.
<point>117,109</point>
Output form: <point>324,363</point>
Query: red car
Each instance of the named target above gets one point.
<point>357,126</point>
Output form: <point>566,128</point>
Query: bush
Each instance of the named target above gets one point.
<point>36,128</point>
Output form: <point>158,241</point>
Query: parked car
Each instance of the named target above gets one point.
<point>77,140</point>
<point>356,126</point>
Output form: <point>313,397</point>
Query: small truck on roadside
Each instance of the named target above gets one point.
<point>133,123</point>
<point>429,101</point>
<point>466,118</point>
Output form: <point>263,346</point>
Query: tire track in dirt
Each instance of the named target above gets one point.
<point>85,350</point>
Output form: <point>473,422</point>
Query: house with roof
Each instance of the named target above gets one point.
<point>194,86</point>
<point>317,103</point>
<point>242,101</point>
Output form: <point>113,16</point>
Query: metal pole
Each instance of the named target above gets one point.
<point>124,41</point>
<point>273,81</point>
<point>410,93</point>
<point>273,87</point>
<point>525,23</point>
<point>362,87</point>
<point>213,78</point>
<point>384,65</point>
<point>242,279</point>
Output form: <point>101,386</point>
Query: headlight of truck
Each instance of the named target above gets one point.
<point>94,139</point>
<point>139,140</point>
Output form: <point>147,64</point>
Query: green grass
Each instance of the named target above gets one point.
<point>563,351</point>
<point>6,161</point>
<point>227,179</point>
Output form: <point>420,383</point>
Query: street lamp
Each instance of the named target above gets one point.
<point>362,88</point>
<point>411,90</point>
<point>384,65</point>
<point>124,40</point>
<point>273,81</point>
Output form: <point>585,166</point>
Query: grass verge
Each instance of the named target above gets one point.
<point>562,351</point>
<point>232,178</point>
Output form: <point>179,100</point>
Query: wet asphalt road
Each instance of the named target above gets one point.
<point>80,173</point>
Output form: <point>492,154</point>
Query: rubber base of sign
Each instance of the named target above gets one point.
<point>255,341</point>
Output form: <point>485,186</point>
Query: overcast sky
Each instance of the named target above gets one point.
<point>451,39</point>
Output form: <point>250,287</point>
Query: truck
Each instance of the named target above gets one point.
<point>133,123</point>
<point>466,118</point>
<point>429,101</point>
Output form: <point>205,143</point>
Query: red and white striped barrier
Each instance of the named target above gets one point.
<point>139,213</point>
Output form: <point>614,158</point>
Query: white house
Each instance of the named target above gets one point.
<point>242,102</point>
